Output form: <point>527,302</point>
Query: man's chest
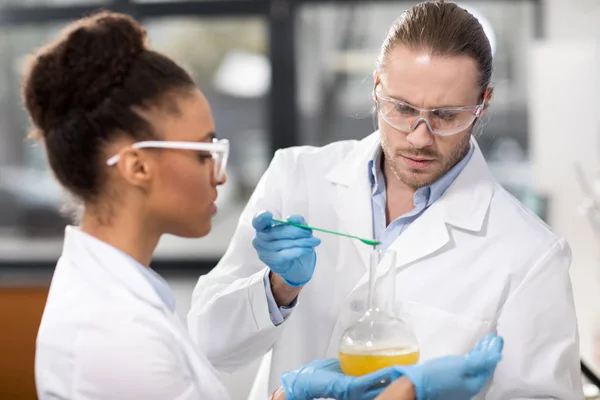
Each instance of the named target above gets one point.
<point>449,299</point>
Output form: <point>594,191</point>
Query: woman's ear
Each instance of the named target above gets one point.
<point>135,168</point>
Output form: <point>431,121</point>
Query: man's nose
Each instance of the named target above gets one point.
<point>421,136</point>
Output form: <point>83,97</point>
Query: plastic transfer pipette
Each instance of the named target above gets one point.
<point>365,241</point>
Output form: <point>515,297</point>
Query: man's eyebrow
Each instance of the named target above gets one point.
<point>399,98</point>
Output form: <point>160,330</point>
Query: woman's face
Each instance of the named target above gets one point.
<point>183,189</point>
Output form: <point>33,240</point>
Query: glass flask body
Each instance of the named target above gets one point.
<point>379,338</point>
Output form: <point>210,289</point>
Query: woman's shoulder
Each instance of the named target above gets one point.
<point>111,352</point>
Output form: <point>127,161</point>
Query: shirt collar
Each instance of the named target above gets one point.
<point>427,194</point>
<point>160,286</point>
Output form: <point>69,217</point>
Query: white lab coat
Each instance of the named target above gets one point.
<point>106,334</point>
<point>476,261</point>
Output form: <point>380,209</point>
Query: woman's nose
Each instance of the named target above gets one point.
<point>223,179</point>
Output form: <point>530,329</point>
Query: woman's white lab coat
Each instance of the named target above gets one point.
<point>476,261</point>
<point>106,334</point>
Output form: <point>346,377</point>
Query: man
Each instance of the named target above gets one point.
<point>470,258</point>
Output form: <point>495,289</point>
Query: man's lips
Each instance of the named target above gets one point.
<point>417,163</point>
<point>418,158</point>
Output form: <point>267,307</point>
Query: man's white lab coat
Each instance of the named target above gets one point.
<point>106,334</point>
<point>476,261</point>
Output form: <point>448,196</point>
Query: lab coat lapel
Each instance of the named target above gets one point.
<point>464,205</point>
<point>352,202</point>
<point>466,202</point>
<point>423,237</point>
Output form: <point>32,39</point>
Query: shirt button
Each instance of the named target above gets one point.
<point>357,305</point>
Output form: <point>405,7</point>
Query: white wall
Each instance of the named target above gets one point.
<point>564,122</point>
<point>565,127</point>
<point>572,19</point>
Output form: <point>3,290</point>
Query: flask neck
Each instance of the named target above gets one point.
<point>382,281</point>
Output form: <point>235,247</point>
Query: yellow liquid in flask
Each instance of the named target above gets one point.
<point>362,363</point>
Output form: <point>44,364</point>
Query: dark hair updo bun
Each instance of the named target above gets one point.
<point>81,91</point>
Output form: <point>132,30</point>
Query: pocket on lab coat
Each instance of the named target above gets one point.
<point>440,332</point>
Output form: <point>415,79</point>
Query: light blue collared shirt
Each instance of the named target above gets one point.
<point>159,284</point>
<point>278,314</point>
<point>423,198</point>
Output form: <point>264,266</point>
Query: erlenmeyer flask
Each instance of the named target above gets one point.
<point>379,338</point>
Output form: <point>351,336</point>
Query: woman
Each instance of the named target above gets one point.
<point>128,133</point>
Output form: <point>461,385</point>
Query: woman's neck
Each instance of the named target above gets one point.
<point>128,233</point>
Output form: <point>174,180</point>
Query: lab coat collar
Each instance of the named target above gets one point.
<point>464,204</point>
<point>347,172</point>
<point>353,193</point>
<point>85,251</point>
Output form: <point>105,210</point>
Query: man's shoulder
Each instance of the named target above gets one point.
<point>515,223</point>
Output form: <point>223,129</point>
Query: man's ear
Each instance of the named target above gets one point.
<point>376,78</point>
<point>488,96</point>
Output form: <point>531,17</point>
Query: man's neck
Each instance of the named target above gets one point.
<point>399,196</point>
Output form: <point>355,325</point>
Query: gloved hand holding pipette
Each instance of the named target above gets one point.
<point>287,250</point>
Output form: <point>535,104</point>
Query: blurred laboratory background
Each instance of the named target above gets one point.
<point>280,73</point>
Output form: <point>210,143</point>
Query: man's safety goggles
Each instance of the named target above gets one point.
<point>444,121</point>
<point>218,150</point>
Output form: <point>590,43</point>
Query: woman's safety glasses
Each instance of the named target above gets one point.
<point>443,121</point>
<point>218,150</point>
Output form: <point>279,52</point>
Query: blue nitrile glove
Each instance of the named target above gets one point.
<point>325,379</point>
<point>287,250</point>
<point>456,377</point>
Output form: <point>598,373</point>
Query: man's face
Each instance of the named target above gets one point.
<point>419,158</point>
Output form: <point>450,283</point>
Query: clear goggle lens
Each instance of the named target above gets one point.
<point>220,157</point>
<point>441,121</point>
